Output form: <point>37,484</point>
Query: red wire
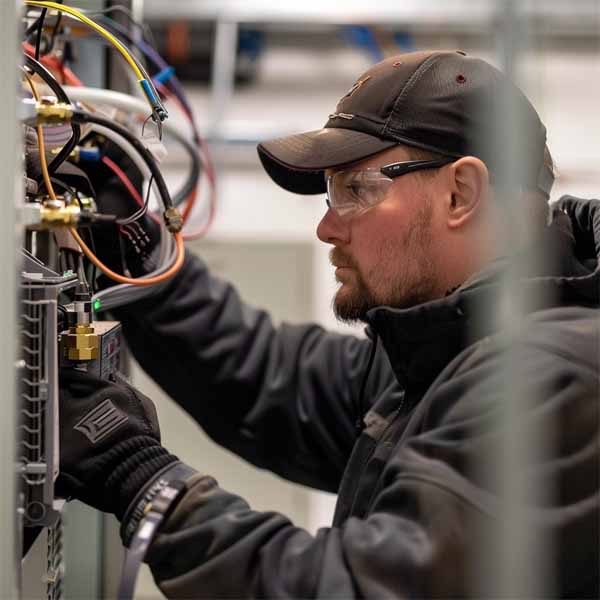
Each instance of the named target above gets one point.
<point>127,183</point>
<point>70,78</point>
<point>55,64</point>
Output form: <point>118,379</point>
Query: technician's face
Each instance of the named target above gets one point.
<point>383,255</point>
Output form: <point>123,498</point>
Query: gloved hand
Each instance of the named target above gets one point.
<point>119,247</point>
<point>109,442</point>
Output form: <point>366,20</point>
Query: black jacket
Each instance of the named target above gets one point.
<point>411,495</point>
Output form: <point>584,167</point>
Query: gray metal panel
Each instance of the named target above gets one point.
<point>11,178</point>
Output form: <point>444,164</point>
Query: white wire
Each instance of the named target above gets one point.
<point>124,102</point>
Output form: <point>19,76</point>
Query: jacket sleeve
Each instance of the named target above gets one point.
<point>284,398</point>
<point>419,540</point>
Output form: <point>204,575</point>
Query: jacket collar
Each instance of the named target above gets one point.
<point>420,341</point>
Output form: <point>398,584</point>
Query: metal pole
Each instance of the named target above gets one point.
<point>512,562</point>
<point>12,180</point>
<point>223,74</point>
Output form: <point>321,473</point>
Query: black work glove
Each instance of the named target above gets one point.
<point>109,442</point>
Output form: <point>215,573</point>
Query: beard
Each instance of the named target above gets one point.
<point>403,275</point>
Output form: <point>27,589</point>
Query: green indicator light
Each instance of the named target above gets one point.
<point>97,305</point>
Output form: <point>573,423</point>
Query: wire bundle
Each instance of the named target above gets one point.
<point>170,250</point>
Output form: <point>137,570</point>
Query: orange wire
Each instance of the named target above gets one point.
<point>41,142</point>
<point>91,256</point>
<point>121,278</point>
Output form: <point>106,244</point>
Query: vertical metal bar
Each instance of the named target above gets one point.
<point>514,550</point>
<point>223,74</point>
<point>137,10</point>
<point>11,178</point>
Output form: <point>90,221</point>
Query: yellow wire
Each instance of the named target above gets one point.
<point>41,143</point>
<point>111,38</point>
<point>91,256</point>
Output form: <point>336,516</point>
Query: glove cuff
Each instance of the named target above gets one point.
<point>175,474</point>
<point>145,458</point>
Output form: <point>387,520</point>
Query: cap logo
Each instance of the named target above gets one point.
<point>356,87</point>
<point>341,116</point>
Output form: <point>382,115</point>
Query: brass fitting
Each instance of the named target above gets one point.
<point>50,112</point>
<point>173,220</point>
<point>86,204</point>
<point>81,343</point>
<point>53,214</point>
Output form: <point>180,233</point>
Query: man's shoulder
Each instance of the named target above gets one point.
<point>551,352</point>
<point>569,332</point>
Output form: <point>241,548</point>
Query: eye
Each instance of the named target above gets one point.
<point>355,189</point>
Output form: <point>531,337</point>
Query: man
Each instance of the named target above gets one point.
<point>397,425</point>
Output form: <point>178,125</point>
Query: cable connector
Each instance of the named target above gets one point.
<point>173,220</point>
<point>53,113</point>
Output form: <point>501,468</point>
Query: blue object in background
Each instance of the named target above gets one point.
<point>363,38</point>
<point>251,43</point>
<point>405,41</point>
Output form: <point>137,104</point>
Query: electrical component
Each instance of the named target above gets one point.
<point>50,112</point>
<point>64,229</point>
<point>80,343</point>
<point>159,112</point>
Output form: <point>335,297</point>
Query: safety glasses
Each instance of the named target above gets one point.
<point>352,192</point>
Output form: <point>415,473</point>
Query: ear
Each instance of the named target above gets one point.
<point>469,185</point>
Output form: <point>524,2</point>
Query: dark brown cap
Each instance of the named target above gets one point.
<point>442,101</point>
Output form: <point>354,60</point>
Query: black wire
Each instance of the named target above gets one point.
<point>145,29</point>
<point>33,27</point>
<point>138,214</point>
<point>66,150</point>
<point>40,28</point>
<point>65,186</point>
<point>61,95</point>
<point>83,117</point>
<point>54,32</point>
<point>40,70</point>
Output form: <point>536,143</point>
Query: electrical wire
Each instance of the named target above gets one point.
<point>142,167</point>
<point>41,144</point>
<point>81,17</point>
<point>133,105</point>
<point>52,62</point>
<point>44,74</point>
<point>84,117</point>
<point>140,280</point>
<point>142,27</point>
<point>89,254</point>
<point>158,110</point>
<point>108,162</point>
<point>40,29</point>
<point>61,95</point>
<point>141,211</point>
<point>178,94</point>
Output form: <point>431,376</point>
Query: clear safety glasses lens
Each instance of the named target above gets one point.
<point>353,192</point>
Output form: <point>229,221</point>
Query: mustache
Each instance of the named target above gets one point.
<point>338,258</point>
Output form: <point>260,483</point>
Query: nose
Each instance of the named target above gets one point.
<point>332,229</point>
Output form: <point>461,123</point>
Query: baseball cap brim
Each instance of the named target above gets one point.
<point>297,162</point>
